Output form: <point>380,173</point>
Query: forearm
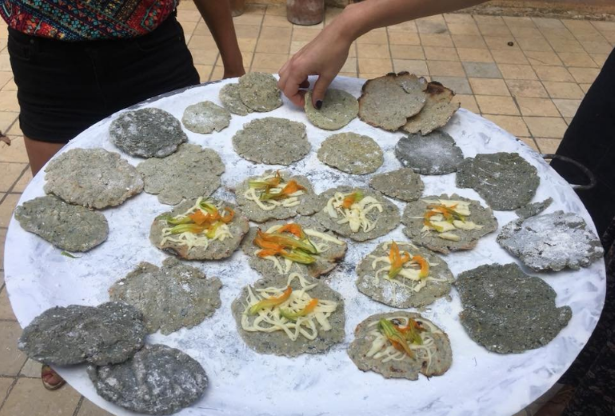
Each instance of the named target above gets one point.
<point>358,19</point>
<point>217,16</point>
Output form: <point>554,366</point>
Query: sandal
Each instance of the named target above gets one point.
<point>51,380</point>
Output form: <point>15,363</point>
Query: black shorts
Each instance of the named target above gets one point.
<point>65,87</point>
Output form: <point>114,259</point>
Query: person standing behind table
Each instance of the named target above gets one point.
<point>590,139</point>
<point>76,62</point>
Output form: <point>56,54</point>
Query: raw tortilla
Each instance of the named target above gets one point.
<point>434,154</point>
<point>215,250</point>
<point>94,178</point>
<point>190,172</point>
<point>149,132</point>
<point>386,221</point>
<point>400,292</point>
<point>172,297</point>
<point>402,184</point>
<point>402,366</point>
<point>277,342</point>
<point>326,262</point>
<point>229,95</point>
<point>206,117</point>
<point>259,91</point>
<point>273,141</point>
<point>351,153</point>
<point>307,206</point>
<point>67,227</point>
<point>507,311</point>
<point>338,109</point>
<point>413,220</point>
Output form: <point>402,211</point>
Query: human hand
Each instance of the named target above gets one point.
<point>323,56</point>
<point>233,72</point>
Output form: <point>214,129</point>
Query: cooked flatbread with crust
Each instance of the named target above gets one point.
<point>428,347</point>
<point>447,223</point>
<point>401,275</point>
<point>202,229</point>
<point>437,111</point>
<point>290,316</point>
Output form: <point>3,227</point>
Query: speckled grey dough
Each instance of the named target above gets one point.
<point>259,91</point>
<point>158,380</point>
<point>393,294</point>
<point>149,132</point>
<point>506,181</point>
<point>215,250</point>
<point>338,109</point>
<point>533,209</point>
<point>402,184</point>
<point>406,368</point>
<point>229,95</point>
<point>326,262</point>
<point>351,153</point>
<point>94,178</point>
<point>278,343</point>
<point>434,154</point>
<point>107,334</point>
<point>388,219</point>
<point>413,220</point>
<point>273,141</point>
<point>206,117</point>
<point>507,311</point>
<point>437,111</point>
<point>389,101</point>
<point>67,227</point>
<point>308,201</point>
<point>190,172</point>
<point>172,297</point>
<point>551,242</point>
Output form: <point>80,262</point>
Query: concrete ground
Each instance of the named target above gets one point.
<point>532,89</point>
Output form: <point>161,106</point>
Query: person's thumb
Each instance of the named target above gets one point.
<point>320,88</point>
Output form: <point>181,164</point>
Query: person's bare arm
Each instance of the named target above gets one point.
<point>326,54</point>
<point>217,15</point>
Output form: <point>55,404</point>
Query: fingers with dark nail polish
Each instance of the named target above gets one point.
<point>318,104</point>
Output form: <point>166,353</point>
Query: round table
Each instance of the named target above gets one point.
<point>243,382</point>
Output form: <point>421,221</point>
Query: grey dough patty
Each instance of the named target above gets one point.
<point>434,154</point>
<point>158,380</point>
<point>400,292</point>
<point>507,311</point>
<point>94,178</point>
<point>273,141</point>
<point>326,261</point>
<point>505,180</point>
<point>190,172</point>
<point>402,184</point>
<point>551,242</point>
<point>67,227</point>
<point>413,220</point>
<point>308,202</point>
<point>172,297</point>
<point>277,342</point>
<point>206,117</point>
<point>533,209</point>
<point>407,367</point>
<point>107,334</point>
<point>389,101</point>
<point>259,91</point>
<point>215,250</point>
<point>386,221</point>
<point>437,111</point>
<point>229,95</point>
<point>351,153</point>
<point>149,132</point>
<point>338,109</point>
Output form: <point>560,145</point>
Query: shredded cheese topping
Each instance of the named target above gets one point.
<point>446,229</point>
<point>382,349</point>
<point>192,240</point>
<point>408,277</point>
<point>357,215</point>
<point>254,195</point>
<point>270,320</point>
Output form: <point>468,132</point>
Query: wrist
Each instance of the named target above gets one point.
<point>350,24</point>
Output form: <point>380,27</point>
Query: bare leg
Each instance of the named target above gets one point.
<point>40,152</point>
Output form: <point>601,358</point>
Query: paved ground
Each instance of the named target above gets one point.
<point>531,89</point>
